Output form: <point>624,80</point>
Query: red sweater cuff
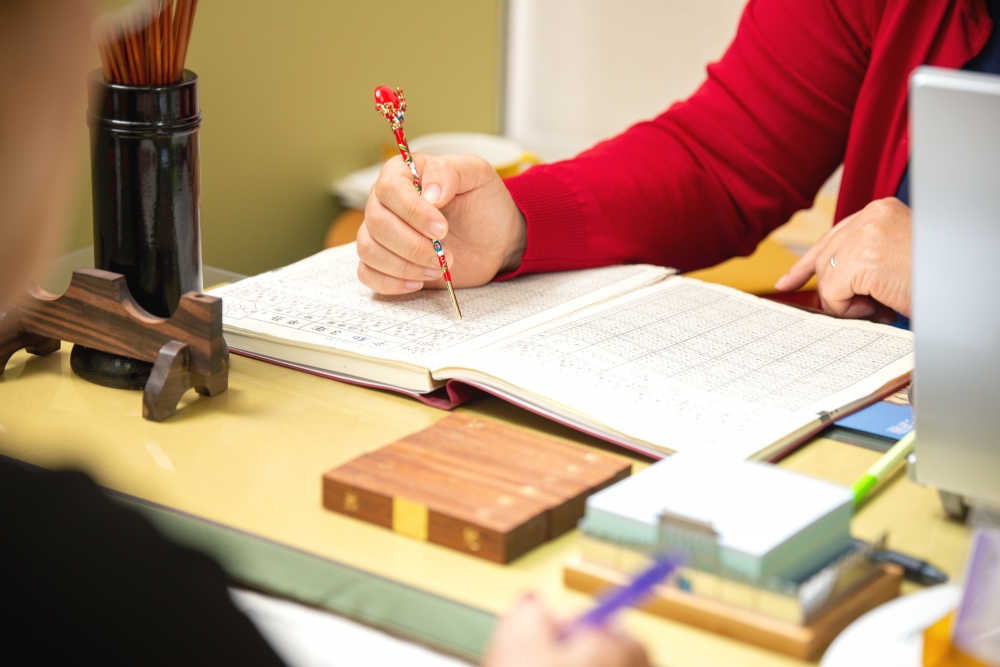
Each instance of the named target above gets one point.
<point>556,235</point>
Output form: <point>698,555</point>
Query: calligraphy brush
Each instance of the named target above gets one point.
<point>146,43</point>
<point>391,104</point>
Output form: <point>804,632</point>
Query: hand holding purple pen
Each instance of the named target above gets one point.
<point>630,595</point>
<point>529,636</point>
<point>530,630</point>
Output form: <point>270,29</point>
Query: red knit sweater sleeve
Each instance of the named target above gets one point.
<point>708,179</point>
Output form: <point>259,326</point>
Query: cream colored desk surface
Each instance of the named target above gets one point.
<point>251,460</point>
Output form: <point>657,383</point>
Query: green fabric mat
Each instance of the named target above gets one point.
<point>390,606</point>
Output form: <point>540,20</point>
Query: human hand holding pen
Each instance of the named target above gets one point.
<point>528,636</point>
<point>464,203</point>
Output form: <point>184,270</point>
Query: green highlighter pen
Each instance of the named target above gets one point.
<point>883,467</point>
<point>913,568</point>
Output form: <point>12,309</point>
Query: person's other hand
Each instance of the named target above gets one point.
<point>871,255</point>
<point>528,636</point>
<point>464,203</point>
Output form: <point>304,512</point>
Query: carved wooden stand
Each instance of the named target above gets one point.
<point>98,311</point>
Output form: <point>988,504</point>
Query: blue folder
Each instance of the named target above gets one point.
<point>884,419</point>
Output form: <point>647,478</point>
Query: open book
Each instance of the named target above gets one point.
<point>636,355</point>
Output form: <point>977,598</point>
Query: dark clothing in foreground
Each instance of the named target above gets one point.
<point>83,580</point>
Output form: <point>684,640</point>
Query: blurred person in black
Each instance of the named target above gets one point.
<point>84,580</point>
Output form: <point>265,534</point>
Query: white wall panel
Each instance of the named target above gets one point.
<point>582,70</point>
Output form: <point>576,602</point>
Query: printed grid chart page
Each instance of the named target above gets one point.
<point>319,303</point>
<point>687,365</point>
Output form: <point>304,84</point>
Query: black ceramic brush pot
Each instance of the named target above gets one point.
<point>146,185</point>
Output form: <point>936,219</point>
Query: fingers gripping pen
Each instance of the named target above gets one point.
<point>392,105</point>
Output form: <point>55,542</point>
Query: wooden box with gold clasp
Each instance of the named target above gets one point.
<point>477,486</point>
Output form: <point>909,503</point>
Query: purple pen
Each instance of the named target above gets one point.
<point>626,596</point>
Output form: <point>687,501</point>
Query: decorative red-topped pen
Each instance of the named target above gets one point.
<point>391,104</point>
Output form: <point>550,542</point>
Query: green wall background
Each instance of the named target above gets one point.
<point>286,99</point>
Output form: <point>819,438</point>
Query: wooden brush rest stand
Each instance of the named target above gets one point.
<point>187,349</point>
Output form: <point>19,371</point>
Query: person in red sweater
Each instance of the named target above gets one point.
<point>804,86</point>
